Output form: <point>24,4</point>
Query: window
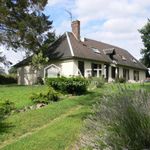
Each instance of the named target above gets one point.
<point>136,75</point>
<point>96,69</point>
<point>126,74</point>
<point>133,60</point>
<point>95,50</point>
<point>123,58</point>
<point>81,67</point>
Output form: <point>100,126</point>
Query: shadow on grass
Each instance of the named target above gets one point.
<point>81,115</point>
<point>5,127</point>
<point>89,99</point>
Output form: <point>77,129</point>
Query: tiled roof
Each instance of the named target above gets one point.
<point>121,56</point>
<point>67,46</point>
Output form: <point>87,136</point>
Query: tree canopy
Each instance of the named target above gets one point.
<point>24,26</point>
<point>145,35</point>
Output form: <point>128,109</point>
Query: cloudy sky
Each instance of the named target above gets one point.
<point>111,21</point>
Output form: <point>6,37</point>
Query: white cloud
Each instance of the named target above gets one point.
<point>53,2</point>
<point>115,22</point>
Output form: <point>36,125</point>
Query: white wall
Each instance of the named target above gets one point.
<point>67,68</point>
<point>142,75</point>
<point>28,76</point>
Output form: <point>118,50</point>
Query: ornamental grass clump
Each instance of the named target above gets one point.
<point>121,121</point>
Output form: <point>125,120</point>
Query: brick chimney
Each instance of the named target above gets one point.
<point>75,25</point>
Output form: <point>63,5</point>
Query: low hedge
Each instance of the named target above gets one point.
<point>72,85</point>
<point>45,97</point>
<point>8,79</point>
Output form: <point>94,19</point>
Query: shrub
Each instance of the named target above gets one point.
<point>73,85</point>
<point>8,79</point>
<point>121,121</point>
<point>5,108</point>
<point>49,96</point>
<point>120,80</point>
<point>40,81</point>
<point>97,82</point>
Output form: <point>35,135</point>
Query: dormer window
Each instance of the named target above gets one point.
<point>95,50</point>
<point>123,58</point>
<point>133,60</point>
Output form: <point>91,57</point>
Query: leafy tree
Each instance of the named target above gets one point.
<point>3,60</point>
<point>24,26</point>
<point>12,70</point>
<point>2,70</point>
<point>145,35</point>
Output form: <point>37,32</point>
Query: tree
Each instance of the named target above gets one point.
<point>3,60</point>
<point>145,35</point>
<point>24,26</point>
<point>12,70</point>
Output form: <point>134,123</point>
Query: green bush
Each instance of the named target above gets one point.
<point>73,85</point>
<point>47,97</point>
<point>121,121</point>
<point>98,82</point>
<point>120,80</point>
<point>8,79</point>
<point>5,109</point>
<point>40,80</point>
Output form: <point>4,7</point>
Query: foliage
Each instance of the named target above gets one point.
<point>97,82</point>
<point>72,85</point>
<point>145,35</point>
<point>45,97</point>
<point>120,80</point>
<point>20,95</point>
<point>24,26</point>
<point>3,60</point>
<point>12,70</point>
<point>121,121</point>
<point>8,79</point>
<point>5,109</point>
<point>2,70</point>
<point>40,81</point>
<point>38,60</point>
<point>57,126</point>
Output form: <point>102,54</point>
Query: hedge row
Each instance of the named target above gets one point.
<point>8,79</point>
<point>73,85</point>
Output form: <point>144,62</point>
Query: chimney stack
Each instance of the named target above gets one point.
<point>75,25</point>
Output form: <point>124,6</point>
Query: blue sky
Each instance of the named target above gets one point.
<point>111,21</point>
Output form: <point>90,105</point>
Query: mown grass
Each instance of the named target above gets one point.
<point>56,126</point>
<point>30,122</point>
<point>20,95</point>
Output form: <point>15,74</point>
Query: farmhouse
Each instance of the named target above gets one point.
<point>71,56</point>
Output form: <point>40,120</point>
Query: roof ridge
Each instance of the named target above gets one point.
<point>69,43</point>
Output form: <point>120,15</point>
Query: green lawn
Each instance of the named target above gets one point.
<point>20,95</point>
<point>54,127</point>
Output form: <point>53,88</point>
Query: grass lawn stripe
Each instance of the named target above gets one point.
<point>67,120</point>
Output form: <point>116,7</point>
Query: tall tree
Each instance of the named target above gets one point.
<point>24,26</point>
<point>145,35</point>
